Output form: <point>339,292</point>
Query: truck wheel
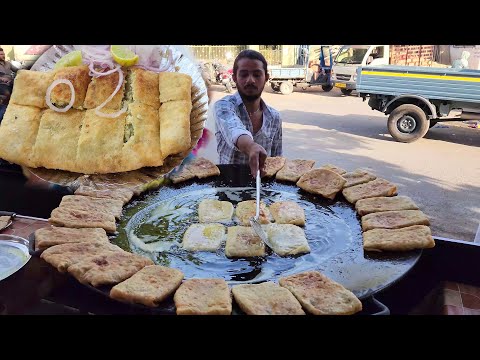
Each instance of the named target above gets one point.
<point>346,92</point>
<point>408,123</point>
<point>275,86</point>
<point>286,87</point>
<point>327,88</point>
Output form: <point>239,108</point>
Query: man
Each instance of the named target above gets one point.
<point>247,129</point>
<point>6,70</point>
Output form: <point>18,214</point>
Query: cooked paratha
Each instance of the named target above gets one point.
<point>320,295</point>
<point>124,195</point>
<point>55,235</point>
<point>273,165</point>
<point>79,77</point>
<point>322,182</point>
<point>246,209</point>
<point>374,188</point>
<point>242,241</point>
<point>149,286</point>
<point>30,88</point>
<point>174,86</point>
<point>378,204</point>
<point>175,134</point>
<point>294,169</point>
<point>68,216</point>
<point>142,87</point>
<point>100,89</point>
<point>266,299</point>
<point>404,239</point>
<point>107,269</point>
<point>63,255</point>
<point>18,131</point>
<point>88,203</point>
<point>203,297</point>
<point>334,168</point>
<point>394,219</point>
<point>357,177</point>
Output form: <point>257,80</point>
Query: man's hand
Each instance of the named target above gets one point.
<point>256,154</point>
<point>256,159</point>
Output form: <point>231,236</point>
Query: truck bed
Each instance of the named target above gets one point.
<point>287,73</point>
<point>431,83</point>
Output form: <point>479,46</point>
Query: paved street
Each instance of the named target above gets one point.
<point>441,172</point>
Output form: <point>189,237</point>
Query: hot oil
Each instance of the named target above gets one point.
<point>158,223</point>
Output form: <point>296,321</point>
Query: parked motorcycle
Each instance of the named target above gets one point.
<point>217,74</point>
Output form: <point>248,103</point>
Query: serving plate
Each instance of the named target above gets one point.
<point>13,254</point>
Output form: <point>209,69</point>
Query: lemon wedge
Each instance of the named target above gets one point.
<point>123,55</point>
<point>73,58</point>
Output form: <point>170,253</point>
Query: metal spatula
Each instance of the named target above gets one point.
<point>254,219</point>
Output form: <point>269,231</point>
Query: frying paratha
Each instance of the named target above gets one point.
<point>273,165</point>
<point>294,169</point>
<point>357,177</point>
<point>242,241</point>
<point>55,235</point>
<point>68,216</point>
<point>374,188</point>
<point>88,203</point>
<point>287,212</point>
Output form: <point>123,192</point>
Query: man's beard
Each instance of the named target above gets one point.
<point>250,98</point>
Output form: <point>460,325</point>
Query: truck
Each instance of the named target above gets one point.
<point>415,98</point>
<point>350,57</point>
<point>312,73</point>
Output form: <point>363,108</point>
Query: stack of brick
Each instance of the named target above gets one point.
<point>412,55</point>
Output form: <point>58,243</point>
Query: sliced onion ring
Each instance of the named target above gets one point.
<point>97,109</point>
<point>49,91</point>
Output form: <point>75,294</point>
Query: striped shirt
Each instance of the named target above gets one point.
<point>232,121</point>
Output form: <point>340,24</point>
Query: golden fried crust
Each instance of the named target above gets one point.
<point>212,210</point>
<point>109,268</point>
<point>294,169</point>
<point>124,195</point>
<point>394,219</point>
<point>378,204</point>
<point>273,165</point>
<point>334,168</point>
<point>266,299</point>
<point>80,79</point>
<point>174,86</point>
<point>320,295</point>
<point>175,127</point>
<point>203,297</point>
<point>203,168</point>
<point>404,239</point>
<point>374,188</point>
<point>69,216</point>
<point>100,144</point>
<point>101,88</point>
<point>204,237</point>
<point>30,88</point>
<point>18,132</point>
<point>142,138</point>
<point>53,235</point>
<point>242,241</point>
<point>57,139</point>
<point>246,209</point>
<point>357,177</point>
<point>322,182</point>
<point>63,255</point>
<point>150,286</point>
<point>88,203</point>
<point>287,212</point>
<point>287,239</point>
<point>144,87</point>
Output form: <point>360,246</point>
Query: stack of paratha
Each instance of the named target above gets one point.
<point>156,124</point>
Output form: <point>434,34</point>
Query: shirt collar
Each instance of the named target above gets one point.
<point>239,101</point>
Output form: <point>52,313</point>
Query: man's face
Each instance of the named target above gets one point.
<point>2,55</point>
<point>250,78</point>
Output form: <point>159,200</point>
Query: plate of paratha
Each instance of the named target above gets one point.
<point>99,178</point>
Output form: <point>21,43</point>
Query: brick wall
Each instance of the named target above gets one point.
<point>412,55</point>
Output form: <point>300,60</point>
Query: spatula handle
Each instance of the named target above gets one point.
<point>257,213</point>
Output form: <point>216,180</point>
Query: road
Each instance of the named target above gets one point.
<point>441,172</point>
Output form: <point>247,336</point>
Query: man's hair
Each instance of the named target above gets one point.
<point>250,54</point>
